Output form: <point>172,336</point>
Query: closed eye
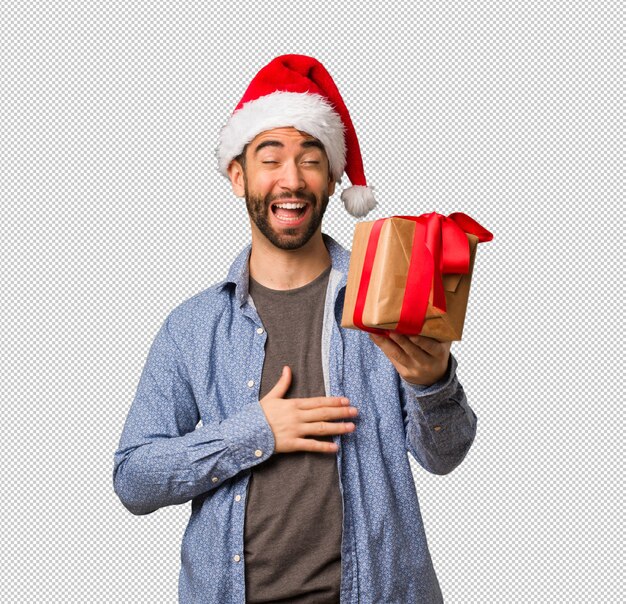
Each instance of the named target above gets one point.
<point>275,162</point>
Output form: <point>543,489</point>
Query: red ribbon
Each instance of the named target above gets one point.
<point>439,246</point>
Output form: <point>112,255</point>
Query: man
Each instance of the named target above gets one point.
<point>300,484</point>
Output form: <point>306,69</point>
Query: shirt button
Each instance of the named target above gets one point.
<point>250,383</point>
<point>236,557</point>
<point>259,330</point>
<point>258,452</point>
<point>214,479</point>
<point>437,428</point>
<point>237,497</point>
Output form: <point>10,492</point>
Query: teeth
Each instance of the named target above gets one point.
<point>288,219</point>
<point>290,206</point>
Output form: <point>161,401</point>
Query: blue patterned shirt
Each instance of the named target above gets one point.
<point>196,428</point>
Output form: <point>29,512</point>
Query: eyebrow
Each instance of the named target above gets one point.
<point>304,144</point>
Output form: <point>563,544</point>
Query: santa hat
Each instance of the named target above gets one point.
<point>297,91</point>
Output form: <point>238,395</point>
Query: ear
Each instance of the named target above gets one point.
<point>331,186</point>
<point>235,173</point>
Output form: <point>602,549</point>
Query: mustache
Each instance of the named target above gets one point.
<point>304,196</point>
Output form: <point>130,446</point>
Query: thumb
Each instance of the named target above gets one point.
<point>282,385</point>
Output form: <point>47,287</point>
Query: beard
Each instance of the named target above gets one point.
<point>288,238</point>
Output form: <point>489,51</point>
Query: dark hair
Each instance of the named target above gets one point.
<point>241,158</point>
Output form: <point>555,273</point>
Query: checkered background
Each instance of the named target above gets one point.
<point>113,213</point>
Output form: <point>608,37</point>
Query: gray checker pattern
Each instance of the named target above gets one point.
<point>113,212</point>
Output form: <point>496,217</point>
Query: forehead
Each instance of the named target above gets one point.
<point>287,136</point>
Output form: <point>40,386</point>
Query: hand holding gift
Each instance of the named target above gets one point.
<point>410,275</point>
<point>418,359</point>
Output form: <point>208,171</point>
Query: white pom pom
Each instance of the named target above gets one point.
<point>359,200</point>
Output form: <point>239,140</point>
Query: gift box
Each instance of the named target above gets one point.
<point>412,275</point>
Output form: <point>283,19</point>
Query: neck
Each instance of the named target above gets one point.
<point>280,269</point>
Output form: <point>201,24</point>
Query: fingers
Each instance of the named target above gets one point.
<point>326,414</point>
<point>323,409</point>
<point>322,429</point>
<point>406,348</point>
<point>325,428</point>
<point>299,442</point>
<point>282,385</point>
<point>320,401</point>
<point>392,349</point>
<point>329,428</point>
<point>403,350</point>
<point>316,446</point>
<point>429,346</point>
<point>303,441</point>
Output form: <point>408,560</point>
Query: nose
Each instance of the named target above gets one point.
<point>291,177</point>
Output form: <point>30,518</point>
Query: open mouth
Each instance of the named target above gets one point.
<point>290,212</point>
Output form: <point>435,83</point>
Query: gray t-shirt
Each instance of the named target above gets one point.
<point>294,512</point>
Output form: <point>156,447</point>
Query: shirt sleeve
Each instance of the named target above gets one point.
<point>439,423</point>
<point>162,458</point>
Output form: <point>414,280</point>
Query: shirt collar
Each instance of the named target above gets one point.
<point>239,273</point>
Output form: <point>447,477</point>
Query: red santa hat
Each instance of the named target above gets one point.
<point>297,91</point>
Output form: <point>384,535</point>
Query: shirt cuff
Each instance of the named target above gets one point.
<point>240,441</point>
<point>249,435</point>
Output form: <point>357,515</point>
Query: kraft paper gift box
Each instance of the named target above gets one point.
<point>433,253</point>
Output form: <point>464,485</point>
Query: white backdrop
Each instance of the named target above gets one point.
<point>113,213</point>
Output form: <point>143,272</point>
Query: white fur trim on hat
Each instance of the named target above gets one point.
<point>305,111</point>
